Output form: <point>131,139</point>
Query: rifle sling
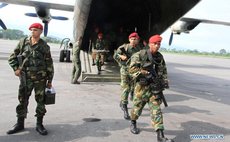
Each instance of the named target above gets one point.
<point>27,57</point>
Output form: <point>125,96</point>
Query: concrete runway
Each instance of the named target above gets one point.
<point>198,100</point>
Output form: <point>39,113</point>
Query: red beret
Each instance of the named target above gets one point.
<point>155,39</point>
<point>36,25</point>
<point>100,34</point>
<point>134,34</point>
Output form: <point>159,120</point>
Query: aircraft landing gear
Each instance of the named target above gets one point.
<point>65,52</point>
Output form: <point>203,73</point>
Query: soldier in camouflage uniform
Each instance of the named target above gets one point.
<point>39,71</point>
<point>148,90</point>
<point>122,56</point>
<point>76,72</point>
<point>100,45</point>
<point>93,39</point>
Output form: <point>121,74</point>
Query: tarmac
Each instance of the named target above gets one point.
<point>198,100</point>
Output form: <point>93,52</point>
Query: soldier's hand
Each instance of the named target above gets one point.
<point>144,72</point>
<point>123,57</point>
<point>49,85</point>
<point>166,84</point>
<point>17,72</point>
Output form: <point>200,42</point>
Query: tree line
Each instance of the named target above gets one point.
<point>13,34</point>
<point>221,53</point>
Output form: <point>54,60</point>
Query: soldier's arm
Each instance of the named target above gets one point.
<point>49,65</point>
<point>162,72</point>
<point>162,69</point>
<point>12,60</point>
<point>135,65</point>
<point>118,55</point>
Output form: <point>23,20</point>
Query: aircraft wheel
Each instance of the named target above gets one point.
<point>62,56</point>
<point>68,56</point>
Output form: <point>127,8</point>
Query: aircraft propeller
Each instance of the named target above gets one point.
<point>3,5</point>
<point>45,28</point>
<point>171,38</point>
<point>46,19</point>
<point>2,24</point>
<point>59,18</point>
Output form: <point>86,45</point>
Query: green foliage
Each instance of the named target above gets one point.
<point>222,53</point>
<point>13,34</point>
<point>51,39</point>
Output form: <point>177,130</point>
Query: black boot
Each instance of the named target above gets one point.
<point>133,127</point>
<point>161,137</point>
<point>93,64</point>
<point>40,128</point>
<point>125,109</point>
<point>19,126</point>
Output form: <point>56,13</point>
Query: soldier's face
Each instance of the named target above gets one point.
<point>100,37</point>
<point>36,32</point>
<point>133,41</point>
<point>154,47</point>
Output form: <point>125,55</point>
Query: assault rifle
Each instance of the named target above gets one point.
<point>101,51</point>
<point>22,78</point>
<point>156,84</point>
<point>124,52</point>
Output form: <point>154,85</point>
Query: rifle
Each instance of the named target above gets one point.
<point>156,84</point>
<point>124,52</point>
<point>22,78</point>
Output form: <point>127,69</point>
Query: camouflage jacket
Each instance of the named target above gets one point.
<point>140,58</point>
<point>39,63</point>
<point>126,50</point>
<point>100,44</point>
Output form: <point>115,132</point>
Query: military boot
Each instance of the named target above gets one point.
<point>125,109</point>
<point>40,128</point>
<point>161,137</point>
<point>133,127</point>
<point>19,126</point>
<point>93,64</point>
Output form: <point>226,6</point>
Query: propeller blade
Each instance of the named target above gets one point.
<point>171,38</point>
<point>59,18</point>
<point>2,24</point>
<point>45,28</point>
<point>3,5</point>
<point>31,14</point>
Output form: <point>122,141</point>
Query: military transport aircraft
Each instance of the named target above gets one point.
<point>147,17</point>
<point>42,11</point>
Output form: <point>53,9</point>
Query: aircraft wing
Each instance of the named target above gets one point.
<point>205,21</point>
<point>37,3</point>
<point>185,25</point>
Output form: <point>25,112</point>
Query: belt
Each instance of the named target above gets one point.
<point>35,68</point>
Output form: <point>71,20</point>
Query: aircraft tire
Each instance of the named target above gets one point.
<point>68,56</point>
<point>62,56</point>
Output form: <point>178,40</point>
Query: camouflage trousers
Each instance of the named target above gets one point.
<point>127,86</point>
<point>76,72</point>
<point>100,58</point>
<point>142,96</point>
<point>39,89</point>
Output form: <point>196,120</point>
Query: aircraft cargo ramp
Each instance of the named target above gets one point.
<point>110,71</point>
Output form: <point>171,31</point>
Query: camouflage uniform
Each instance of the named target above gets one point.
<point>126,80</point>
<point>39,69</point>
<point>100,44</point>
<point>76,72</point>
<point>144,93</point>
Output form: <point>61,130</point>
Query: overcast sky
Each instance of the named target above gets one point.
<point>205,37</point>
